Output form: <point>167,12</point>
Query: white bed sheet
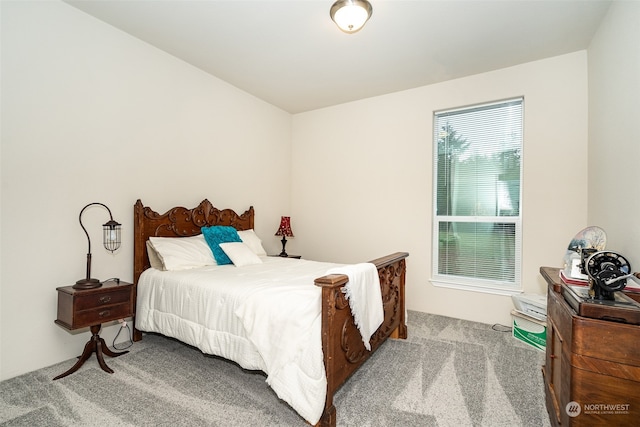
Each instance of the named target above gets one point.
<point>264,316</point>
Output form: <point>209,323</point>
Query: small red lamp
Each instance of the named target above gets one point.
<point>285,231</point>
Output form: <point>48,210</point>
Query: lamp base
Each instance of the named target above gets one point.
<point>87,284</point>
<point>284,243</point>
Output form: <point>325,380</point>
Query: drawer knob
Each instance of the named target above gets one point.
<point>104,313</point>
<point>104,299</point>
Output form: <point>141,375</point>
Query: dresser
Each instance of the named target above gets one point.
<point>592,366</point>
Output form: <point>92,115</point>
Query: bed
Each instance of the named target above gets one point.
<point>340,347</point>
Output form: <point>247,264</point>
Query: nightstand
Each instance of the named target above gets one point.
<point>289,256</point>
<point>81,308</point>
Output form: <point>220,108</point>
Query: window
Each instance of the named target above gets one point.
<point>477,217</point>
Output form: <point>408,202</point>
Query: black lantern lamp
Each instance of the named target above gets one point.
<point>111,240</point>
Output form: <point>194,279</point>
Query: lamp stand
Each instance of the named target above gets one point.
<point>88,283</point>
<point>284,242</point>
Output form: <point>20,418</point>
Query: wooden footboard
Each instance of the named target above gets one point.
<point>342,344</point>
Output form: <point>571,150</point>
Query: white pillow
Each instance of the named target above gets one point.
<point>253,241</point>
<point>154,259</point>
<point>240,254</point>
<point>182,253</point>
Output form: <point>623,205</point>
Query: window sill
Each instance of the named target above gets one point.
<point>486,289</point>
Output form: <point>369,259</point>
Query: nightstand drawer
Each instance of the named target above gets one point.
<point>102,314</point>
<point>86,302</point>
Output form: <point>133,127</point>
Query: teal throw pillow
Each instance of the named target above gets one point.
<point>217,234</point>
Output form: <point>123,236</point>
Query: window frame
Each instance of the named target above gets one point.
<point>475,283</point>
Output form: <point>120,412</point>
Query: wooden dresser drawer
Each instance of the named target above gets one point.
<point>94,300</point>
<point>101,315</point>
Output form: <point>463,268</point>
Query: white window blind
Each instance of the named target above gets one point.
<point>477,210</point>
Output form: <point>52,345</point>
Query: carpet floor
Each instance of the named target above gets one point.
<point>449,372</point>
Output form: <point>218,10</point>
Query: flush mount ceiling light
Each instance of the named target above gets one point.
<point>351,15</point>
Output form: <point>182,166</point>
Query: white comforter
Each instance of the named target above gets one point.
<point>264,316</point>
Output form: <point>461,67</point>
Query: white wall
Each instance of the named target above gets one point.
<point>362,177</point>
<point>614,130</point>
<point>92,114</point>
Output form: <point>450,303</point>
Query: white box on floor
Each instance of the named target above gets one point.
<point>529,330</point>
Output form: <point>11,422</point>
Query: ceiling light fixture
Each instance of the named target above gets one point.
<point>351,15</point>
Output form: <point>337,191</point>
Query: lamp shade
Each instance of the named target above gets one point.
<point>111,235</point>
<point>285,227</point>
<point>351,15</point>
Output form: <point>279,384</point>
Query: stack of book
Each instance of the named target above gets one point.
<point>567,280</point>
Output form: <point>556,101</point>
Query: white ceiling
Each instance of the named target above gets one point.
<point>290,53</point>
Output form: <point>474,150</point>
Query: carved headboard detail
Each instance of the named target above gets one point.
<point>179,222</point>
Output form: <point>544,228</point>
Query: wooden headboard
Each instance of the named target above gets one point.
<point>178,222</point>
